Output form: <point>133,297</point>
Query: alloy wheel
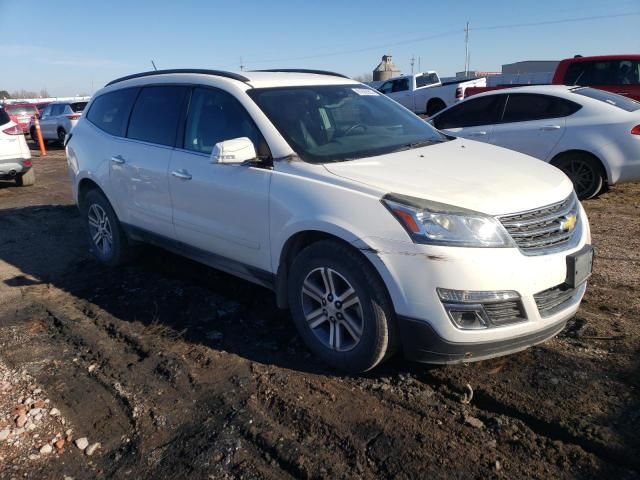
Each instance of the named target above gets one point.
<point>100,229</point>
<point>332,309</point>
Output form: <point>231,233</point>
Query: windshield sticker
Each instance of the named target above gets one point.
<point>365,91</point>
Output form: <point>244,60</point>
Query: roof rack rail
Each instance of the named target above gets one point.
<point>302,70</point>
<point>217,73</point>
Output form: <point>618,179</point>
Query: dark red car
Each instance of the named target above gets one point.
<point>21,113</point>
<point>615,73</point>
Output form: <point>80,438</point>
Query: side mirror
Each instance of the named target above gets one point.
<point>234,151</point>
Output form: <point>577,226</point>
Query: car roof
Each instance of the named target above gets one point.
<point>252,79</point>
<point>603,57</point>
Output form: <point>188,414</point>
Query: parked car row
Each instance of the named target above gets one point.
<point>591,135</point>
<point>376,230</point>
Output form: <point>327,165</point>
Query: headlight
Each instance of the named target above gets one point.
<point>440,224</point>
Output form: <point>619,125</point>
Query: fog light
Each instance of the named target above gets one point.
<point>467,317</point>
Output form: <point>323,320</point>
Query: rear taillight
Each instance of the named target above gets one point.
<point>73,116</point>
<point>459,92</point>
<point>15,130</point>
<point>27,163</point>
<point>635,130</point>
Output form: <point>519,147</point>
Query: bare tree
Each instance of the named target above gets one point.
<point>365,77</point>
<point>22,93</point>
<point>44,93</point>
<point>4,94</point>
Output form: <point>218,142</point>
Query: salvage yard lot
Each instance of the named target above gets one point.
<point>179,370</point>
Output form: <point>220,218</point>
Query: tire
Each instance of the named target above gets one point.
<point>26,179</point>
<point>584,171</point>
<point>61,134</point>
<point>109,242</point>
<point>434,106</point>
<point>33,134</point>
<point>365,330</point>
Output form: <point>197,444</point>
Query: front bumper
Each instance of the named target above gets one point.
<point>421,343</point>
<point>413,272</point>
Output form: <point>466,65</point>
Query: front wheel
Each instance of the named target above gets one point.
<point>585,173</point>
<point>106,236</point>
<point>341,307</point>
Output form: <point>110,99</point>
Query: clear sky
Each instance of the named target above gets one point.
<point>72,47</point>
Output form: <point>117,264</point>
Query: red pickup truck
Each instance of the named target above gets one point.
<point>615,73</point>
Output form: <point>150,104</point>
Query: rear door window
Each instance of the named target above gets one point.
<point>472,113</point>
<point>57,109</point>
<point>110,112</point>
<point>524,107</point>
<point>156,114</point>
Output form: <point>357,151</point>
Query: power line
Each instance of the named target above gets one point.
<point>437,35</point>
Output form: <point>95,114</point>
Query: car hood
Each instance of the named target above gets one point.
<point>464,173</point>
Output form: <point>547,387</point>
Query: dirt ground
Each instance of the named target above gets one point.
<point>180,371</point>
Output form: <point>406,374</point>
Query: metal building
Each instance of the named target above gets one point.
<point>385,70</point>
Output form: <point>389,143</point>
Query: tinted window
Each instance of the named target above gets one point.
<point>215,116</point>
<point>471,113</point>
<point>57,109</point>
<point>78,107</point>
<point>400,85</point>
<point>611,98</point>
<point>109,112</point>
<point>605,72</point>
<point>522,107</point>
<point>4,117</point>
<point>426,79</point>
<point>155,115</point>
<point>386,87</point>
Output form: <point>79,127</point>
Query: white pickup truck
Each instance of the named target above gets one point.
<point>424,92</point>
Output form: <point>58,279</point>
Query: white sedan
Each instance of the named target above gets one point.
<point>591,135</point>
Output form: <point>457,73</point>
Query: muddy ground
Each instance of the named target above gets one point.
<point>182,371</point>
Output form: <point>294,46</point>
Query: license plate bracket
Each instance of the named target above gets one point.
<point>579,266</point>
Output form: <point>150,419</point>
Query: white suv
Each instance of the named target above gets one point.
<point>377,231</point>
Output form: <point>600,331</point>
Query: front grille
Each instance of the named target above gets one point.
<point>554,300</point>
<point>505,313</point>
<point>543,229</point>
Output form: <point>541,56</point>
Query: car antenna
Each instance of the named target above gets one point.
<point>154,65</point>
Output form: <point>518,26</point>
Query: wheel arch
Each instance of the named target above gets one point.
<point>434,101</point>
<point>84,186</point>
<point>299,241</point>
<point>602,165</point>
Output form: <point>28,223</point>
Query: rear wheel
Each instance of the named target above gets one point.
<point>434,106</point>
<point>584,171</point>
<point>341,307</point>
<point>26,179</point>
<point>61,135</point>
<point>107,238</point>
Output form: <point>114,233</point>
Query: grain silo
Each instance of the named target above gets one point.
<point>385,70</point>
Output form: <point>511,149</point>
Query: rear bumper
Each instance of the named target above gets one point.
<point>10,168</point>
<point>421,343</point>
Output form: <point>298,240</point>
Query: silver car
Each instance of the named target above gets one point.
<point>57,119</point>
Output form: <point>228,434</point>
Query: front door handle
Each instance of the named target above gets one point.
<point>548,128</point>
<point>117,159</point>
<point>181,174</point>
<point>478,134</point>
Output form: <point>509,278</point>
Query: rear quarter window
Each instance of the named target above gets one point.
<point>522,107</point>
<point>110,112</point>
<point>609,98</point>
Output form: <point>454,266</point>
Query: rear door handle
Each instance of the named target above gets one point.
<point>181,174</point>
<point>117,159</point>
<point>548,128</point>
<point>478,134</point>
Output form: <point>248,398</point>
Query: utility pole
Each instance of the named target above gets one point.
<point>412,60</point>
<point>466,50</point>
<point>241,65</point>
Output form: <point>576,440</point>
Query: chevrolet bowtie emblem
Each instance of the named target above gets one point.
<point>569,223</point>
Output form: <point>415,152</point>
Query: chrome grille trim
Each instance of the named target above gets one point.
<point>539,231</point>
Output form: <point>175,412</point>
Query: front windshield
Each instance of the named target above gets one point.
<point>333,123</point>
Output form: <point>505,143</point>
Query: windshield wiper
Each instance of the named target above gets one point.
<point>411,146</point>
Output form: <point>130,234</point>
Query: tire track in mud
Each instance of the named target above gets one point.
<point>484,401</point>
